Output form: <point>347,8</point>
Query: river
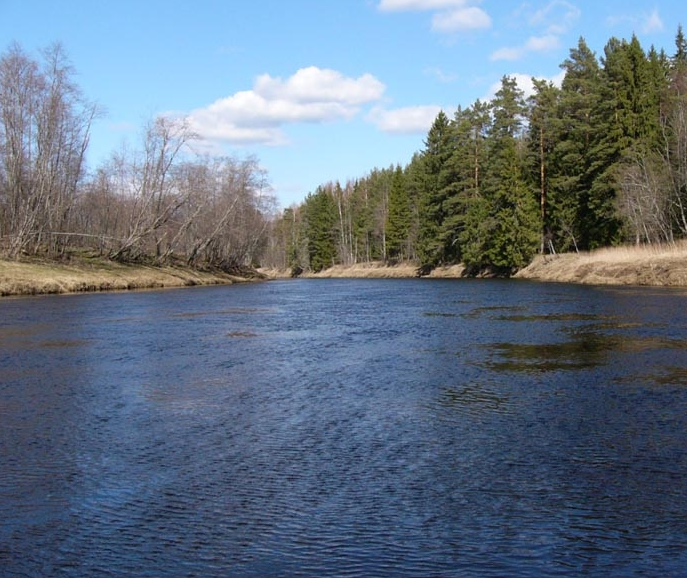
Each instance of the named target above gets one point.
<point>349,428</point>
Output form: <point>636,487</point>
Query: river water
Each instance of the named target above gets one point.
<point>349,428</point>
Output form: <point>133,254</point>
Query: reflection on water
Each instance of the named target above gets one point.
<point>585,349</point>
<point>345,428</point>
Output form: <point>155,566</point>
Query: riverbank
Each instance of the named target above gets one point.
<point>372,270</point>
<point>649,265</point>
<point>646,265</point>
<point>37,277</point>
<point>652,265</point>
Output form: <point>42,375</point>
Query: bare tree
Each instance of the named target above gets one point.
<point>644,199</point>
<point>155,198</point>
<point>44,130</point>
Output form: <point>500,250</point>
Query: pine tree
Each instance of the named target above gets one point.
<point>543,134</point>
<point>502,229</point>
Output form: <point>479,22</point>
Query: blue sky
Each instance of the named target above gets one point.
<point>317,90</point>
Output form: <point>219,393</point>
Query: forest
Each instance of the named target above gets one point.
<point>156,202</point>
<point>600,160</point>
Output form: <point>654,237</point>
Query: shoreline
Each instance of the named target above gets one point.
<point>644,267</point>
<point>45,277</point>
<point>654,266</point>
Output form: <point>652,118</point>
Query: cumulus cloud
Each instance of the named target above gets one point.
<point>449,15</point>
<point>316,85</point>
<point>408,120</point>
<point>533,44</point>
<point>311,95</point>
<point>508,53</point>
<point>470,18</point>
<point>524,82</point>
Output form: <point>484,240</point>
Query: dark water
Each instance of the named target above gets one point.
<point>345,428</point>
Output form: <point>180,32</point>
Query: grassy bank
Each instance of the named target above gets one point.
<point>636,265</point>
<point>373,270</point>
<point>35,277</point>
<point>643,265</point>
<point>664,265</point>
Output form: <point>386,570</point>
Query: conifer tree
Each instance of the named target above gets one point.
<point>572,182</point>
<point>321,218</point>
<point>435,156</point>
<point>461,175</point>
<point>398,221</point>
<point>543,135</point>
<point>502,229</point>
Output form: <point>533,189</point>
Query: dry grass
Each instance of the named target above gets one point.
<point>657,265</point>
<point>373,270</point>
<point>629,253</point>
<point>43,277</point>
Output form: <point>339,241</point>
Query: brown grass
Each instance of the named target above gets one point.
<point>656,265</point>
<point>372,270</point>
<point>43,277</point>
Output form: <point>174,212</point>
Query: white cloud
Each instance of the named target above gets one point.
<point>312,85</point>
<point>542,43</point>
<point>411,119</point>
<point>311,95</point>
<point>524,82</point>
<point>449,15</point>
<point>508,53</point>
<point>404,5</point>
<point>470,18</point>
<point>533,44</point>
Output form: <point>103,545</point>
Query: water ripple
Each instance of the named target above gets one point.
<point>349,429</point>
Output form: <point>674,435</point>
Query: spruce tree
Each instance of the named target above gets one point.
<point>398,221</point>
<point>435,156</point>
<point>571,184</point>
<point>461,175</point>
<point>502,229</point>
<point>321,219</point>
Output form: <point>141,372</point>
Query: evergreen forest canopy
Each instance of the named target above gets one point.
<point>598,161</point>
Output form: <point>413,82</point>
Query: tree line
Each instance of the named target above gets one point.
<point>155,202</point>
<point>599,161</point>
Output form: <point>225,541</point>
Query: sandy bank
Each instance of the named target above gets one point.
<point>43,277</point>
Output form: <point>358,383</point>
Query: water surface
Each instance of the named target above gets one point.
<point>345,428</point>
